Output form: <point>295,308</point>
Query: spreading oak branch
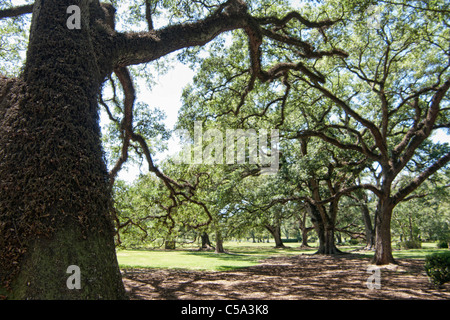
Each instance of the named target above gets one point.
<point>141,47</point>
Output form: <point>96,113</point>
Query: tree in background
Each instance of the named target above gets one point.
<point>377,101</point>
<point>424,216</point>
<point>391,93</point>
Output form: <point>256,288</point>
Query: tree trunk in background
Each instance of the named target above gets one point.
<point>383,248</point>
<point>55,199</point>
<point>327,244</point>
<point>206,243</point>
<point>169,244</point>
<point>275,231</point>
<point>219,242</point>
<point>304,230</point>
<point>369,231</point>
<point>325,232</point>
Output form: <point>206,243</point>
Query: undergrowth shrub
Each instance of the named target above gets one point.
<point>437,266</point>
<point>442,244</point>
<point>410,244</point>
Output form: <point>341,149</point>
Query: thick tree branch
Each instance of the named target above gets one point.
<point>126,125</point>
<point>141,47</point>
<point>16,11</point>
<point>136,48</point>
<point>148,14</point>
<point>294,15</point>
<point>415,183</point>
<point>337,143</point>
<point>308,51</point>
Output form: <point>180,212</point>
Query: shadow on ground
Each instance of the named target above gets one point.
<point>287,278</point>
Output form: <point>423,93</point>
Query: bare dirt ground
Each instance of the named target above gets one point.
<point>302,277</point>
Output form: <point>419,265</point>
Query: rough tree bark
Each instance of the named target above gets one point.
<point>383,253</point>
<point>55,201</point>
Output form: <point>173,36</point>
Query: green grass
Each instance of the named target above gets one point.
<point>415,253</point>
<point>239,255</point>
<point>243,254</point>
<point>184,260</point>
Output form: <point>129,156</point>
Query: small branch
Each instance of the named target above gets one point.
<point>415,196</point>
<point>148,14</point>
<point>294,15</point>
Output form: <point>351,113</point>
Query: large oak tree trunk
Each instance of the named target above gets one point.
<point>55,201</point>
<point>383,249</point>
<point>325,232</point>
<point>327,241</point>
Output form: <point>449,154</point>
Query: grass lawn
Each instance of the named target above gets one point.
<point>240,254</point>
<point>243,254</point>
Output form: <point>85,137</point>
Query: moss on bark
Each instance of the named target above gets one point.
<point>43,273</point>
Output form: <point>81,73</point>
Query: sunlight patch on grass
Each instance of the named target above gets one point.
<point>184,260</point>
<point>238,255</point>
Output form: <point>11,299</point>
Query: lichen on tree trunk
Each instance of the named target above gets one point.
<point>44,270</point>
